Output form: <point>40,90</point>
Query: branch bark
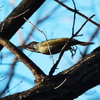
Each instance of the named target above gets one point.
<point>79,78</point>
<point>36,71</point>
<point>15,20</point>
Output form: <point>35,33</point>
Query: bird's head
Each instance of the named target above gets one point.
<point>32,46</point>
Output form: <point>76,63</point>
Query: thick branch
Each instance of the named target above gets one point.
<point>15,20</point>
<point>37,72</point>
<point>76,80</point>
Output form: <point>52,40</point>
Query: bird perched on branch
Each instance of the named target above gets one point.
<point>55,45</point>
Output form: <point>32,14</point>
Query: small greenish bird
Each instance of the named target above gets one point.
<point>55,45</point>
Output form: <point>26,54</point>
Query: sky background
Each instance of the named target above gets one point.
<point>58,24</point>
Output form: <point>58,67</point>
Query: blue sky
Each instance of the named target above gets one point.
<point>58,25</point>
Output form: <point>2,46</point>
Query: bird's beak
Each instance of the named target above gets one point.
<point>22,47</point>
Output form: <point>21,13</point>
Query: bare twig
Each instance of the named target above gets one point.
<point>8,57</point>
<point>12,18</point>
<point>74,17</point>
<point>70,9</point>
<point>67,43</point>
<point>45,38</point>
<point>60,84</point>
<point>92,37</point>
<point>63,48</point>
<point>84,24</point>
<point>8,90</point>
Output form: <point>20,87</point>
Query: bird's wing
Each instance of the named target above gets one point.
<point>62,41</point>
<point>53,42</point>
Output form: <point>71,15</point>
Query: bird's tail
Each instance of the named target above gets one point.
<point>86,43</point>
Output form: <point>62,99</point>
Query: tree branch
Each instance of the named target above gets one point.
<point>37,72</point>
<point>71,83</point>
<point>15,20</point>
<point>72,10</point>
<point>67,44</point>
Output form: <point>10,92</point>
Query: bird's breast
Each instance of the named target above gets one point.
<point>53,48</point>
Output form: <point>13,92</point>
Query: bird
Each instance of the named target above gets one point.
<point>55,45</point>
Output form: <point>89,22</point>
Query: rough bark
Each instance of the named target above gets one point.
<point>75,81</point>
